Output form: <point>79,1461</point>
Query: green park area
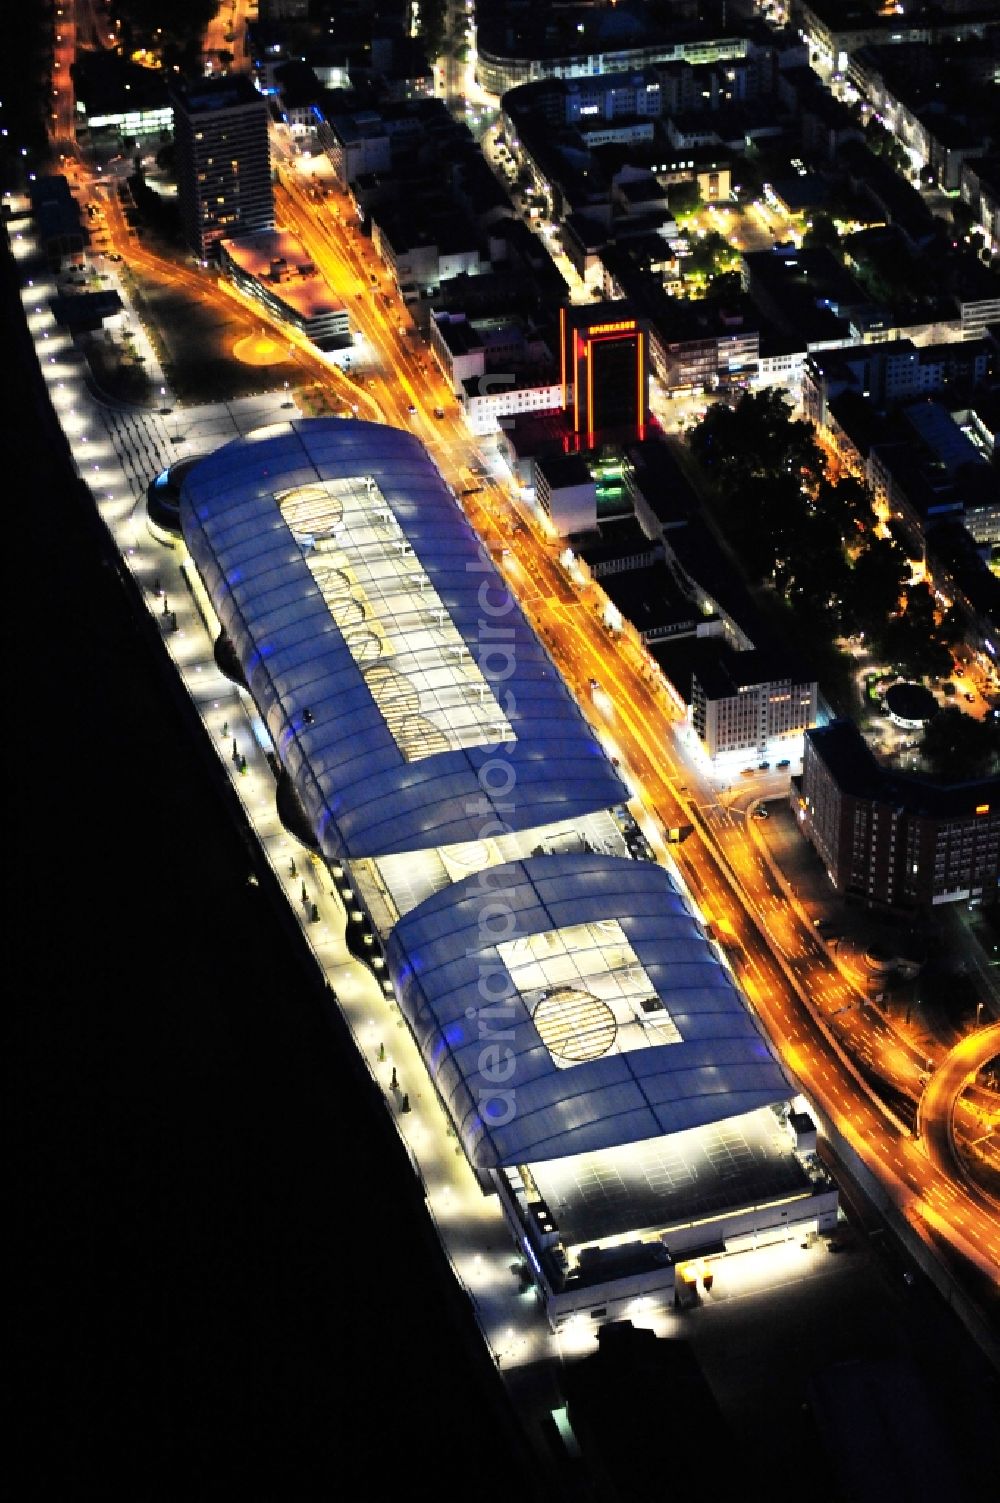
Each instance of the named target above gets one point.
<point>820,562</point>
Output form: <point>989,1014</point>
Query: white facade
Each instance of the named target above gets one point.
<point>133,122</point>
<point>571,507</point>
<point>977,314</point>
<point>782,369</point>
<point>613,95</point>
<point>423,265</point>
<point>355,146</point>
<point>753,718</point>
<point>486,409</point>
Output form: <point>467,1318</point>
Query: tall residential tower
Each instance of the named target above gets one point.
<point>223,161</point>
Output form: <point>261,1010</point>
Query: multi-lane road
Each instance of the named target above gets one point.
<point>789,975</point>
<point>62,117</point>
<point>955,1075</point>
<point>792,981</point>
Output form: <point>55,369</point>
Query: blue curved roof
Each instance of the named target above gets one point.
<point>363,797</point>
<point>510,1100</point>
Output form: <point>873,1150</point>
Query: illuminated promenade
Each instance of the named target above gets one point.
<point>791,979</point>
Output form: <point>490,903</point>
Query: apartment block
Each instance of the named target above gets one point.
<point>891,840</point>
<point>223,162</point>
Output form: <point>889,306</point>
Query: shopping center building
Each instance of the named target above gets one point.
<point>585,1037</point>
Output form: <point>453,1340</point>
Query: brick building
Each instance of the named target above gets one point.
<point>893,840</point>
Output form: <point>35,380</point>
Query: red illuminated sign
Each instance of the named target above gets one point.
<point>627,326</point>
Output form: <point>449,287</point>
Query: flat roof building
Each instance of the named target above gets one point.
<point>890,839</point>
<point>57,217</point>
<point>115,94</point>
<point>566,491</point>
<point>618,546</point>
<point>649,599</point>
<point>749,704</point>
<point>604,371</point>
<point>272,266</point>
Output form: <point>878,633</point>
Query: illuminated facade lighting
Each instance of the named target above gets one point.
<point>606,364</point>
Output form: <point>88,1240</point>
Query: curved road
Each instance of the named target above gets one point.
<point>937,1106</point>
<point>776,956</point>
<point>777,959</point>
<point>780,965</point>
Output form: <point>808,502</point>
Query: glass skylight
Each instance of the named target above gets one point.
<point>428,688</point>
<point>587,992</point>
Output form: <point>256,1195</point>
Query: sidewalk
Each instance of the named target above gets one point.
<point>118,453</point>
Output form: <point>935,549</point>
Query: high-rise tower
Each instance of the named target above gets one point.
<point>605,372</point>
<point>223,161</point>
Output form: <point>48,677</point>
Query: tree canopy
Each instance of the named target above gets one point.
<point>908,636</point>
<point>431,27</point>
<point>176,29</point>
<point>874,587</point>
<point>813,540</point>
<point>684,198</point>
<point>960,748</point>
<point>792,527</point>
<point>822,232</point>
<point>884,144</point>
<point>758,438</point>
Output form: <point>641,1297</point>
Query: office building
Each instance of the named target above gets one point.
<point>566,492</point>
<point>604,372</point>
<point>272,266</point>
<point>743,706</point>
<point>120,97</point>
<point>223,162</point>
<point>892,840</point>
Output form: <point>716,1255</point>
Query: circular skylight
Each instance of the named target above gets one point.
<point>574,1025</point>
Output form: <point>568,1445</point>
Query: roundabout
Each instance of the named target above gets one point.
<point>260,349</point>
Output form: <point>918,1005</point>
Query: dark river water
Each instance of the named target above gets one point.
<point>225,1281</point>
